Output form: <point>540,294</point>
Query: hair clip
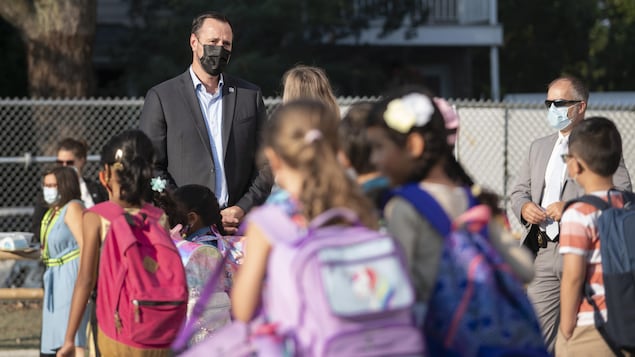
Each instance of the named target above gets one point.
<point>312,135</point>
<point>476,190</point>
<point>402,114</point>
<point>450,116</point>
<point>117,165</point>
<point>158,184</point>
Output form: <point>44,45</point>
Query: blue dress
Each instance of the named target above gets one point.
<point>59,282</point>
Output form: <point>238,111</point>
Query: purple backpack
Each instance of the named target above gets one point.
<point>331,291</point>
<point>336,290</point>
<point>478,307</point>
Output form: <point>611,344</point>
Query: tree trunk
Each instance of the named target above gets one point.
<point>59,39</point>
<point>60,65</point>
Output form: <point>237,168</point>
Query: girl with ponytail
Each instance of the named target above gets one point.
<point>301,145</point>
<point>411,145</point>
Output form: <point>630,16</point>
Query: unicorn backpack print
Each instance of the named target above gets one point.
<point>336,290</point>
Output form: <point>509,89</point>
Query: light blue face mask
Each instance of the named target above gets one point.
<point>557,117</point>
<point>50,195</point>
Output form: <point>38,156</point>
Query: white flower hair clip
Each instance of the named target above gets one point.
<point>414,109</point>
<point>158,184</point>
<point>312,135</point>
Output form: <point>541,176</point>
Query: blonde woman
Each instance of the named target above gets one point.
<point>307,82</point>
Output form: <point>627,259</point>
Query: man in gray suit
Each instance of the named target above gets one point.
<point>540,192</point>
<point>205,125</point>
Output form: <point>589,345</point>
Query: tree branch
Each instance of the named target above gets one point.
<point>17,12</point>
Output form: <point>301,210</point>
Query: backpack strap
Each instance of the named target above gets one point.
<point>277,225</point>
<point>594,201</point>
<point>428,207</point>
<point>598,320</point>
<point>108,209</point>
<point>151,211</point>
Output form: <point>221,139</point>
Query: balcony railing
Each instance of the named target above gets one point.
<point>447,12</point>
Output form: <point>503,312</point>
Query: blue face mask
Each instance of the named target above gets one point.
<point>557,117</point>
<point>50,195</point>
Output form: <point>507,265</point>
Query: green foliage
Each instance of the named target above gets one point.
<point>544,39</point>
<point>591,39</point>
<point>270,36</point>
<point>614,46</point>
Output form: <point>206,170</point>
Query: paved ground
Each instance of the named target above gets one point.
<point>19,353</point>
<point>20,327</point>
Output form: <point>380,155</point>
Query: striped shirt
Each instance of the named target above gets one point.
<point>579,235</point>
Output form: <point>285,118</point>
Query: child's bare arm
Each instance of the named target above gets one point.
<point>247,287</point>
<point>86,278</point>
<point>573,276</point>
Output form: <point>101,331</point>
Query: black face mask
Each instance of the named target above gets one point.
<point>214,59</point>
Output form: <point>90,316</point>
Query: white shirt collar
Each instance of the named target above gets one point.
<point>197,82</point>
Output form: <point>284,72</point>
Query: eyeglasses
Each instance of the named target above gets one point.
<point>65,162</point>
<point>559,103</point>
<point>566,157</point>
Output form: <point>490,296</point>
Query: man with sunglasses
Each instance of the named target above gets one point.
<point>71,152</point>
<point>542,187</point>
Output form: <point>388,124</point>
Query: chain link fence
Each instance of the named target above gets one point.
<point>493,142</point>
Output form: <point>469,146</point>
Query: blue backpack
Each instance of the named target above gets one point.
<point>616,228</point>
<point>478,307</point>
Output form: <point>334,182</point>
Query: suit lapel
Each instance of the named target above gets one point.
<point>191,101</point>
<point>229,106</point>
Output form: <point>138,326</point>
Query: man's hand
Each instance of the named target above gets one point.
<point>532,213</point>
<point>554,210</point>
<point>67,350</point>
<point>231,218</point>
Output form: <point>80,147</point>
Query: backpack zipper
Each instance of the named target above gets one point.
<point>138,303</point>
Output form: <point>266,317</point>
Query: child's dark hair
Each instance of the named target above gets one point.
<point>303,134</point>
<point>202,201</point>
<point>436,149</point>
<point>165,200</point>
<point>67,184</point>
<point>130,154</point>
<point>598,143</point>
<point>352,131</point>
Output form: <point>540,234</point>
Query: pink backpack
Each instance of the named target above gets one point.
<point>141,288</point>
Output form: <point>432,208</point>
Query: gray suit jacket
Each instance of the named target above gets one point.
<point>530,183</point>
<point>173,120</point>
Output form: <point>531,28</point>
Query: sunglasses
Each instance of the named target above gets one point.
<point>65,162</point>
<point>559,103</point>
<point>566,157</point>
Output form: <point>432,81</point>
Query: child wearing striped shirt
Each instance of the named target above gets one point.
<point>595,150</point>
